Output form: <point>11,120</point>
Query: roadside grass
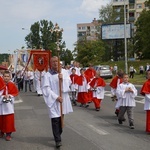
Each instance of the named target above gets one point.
<point>137,80</point>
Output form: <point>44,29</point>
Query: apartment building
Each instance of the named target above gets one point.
<point>133,8</point>
<point>88,31</point>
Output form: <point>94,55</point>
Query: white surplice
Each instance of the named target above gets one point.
<point>50,89</point>
<point>126,98</point>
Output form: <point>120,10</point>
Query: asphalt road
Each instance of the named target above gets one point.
<point>84,129</point>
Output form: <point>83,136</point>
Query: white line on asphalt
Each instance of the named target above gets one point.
<point>141,101</point>
<point>18,101</point>
<point>99,131</point>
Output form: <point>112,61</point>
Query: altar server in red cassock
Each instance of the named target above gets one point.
<point>97,86</point>
<point>83,86</point>
<point>90,72</point>
<point>114,84</point>
<point>2,83</point>
<point>7,123</point>
<point>146,92</point>
<point>73,88</point>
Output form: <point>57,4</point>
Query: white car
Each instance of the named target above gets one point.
<point>105,71</point>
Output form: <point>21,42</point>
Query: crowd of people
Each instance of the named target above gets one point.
<point>63,87</point>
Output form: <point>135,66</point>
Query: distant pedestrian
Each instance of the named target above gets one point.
<point>141,69</point>
<point>115,68</point>
<point>126,93</point>
<point>7,121</point>
<point>146,92</point>
<point>132,71</point>
<point>147,67</point>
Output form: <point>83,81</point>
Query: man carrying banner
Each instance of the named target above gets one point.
<point>51,89</point>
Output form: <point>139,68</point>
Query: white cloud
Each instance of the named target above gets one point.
<point>90,7</point>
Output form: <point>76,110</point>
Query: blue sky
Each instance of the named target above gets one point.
<point>18,14</point>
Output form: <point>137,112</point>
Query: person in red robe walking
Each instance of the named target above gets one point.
<point>83,86</point>
<point>2,83</point>
<point>7,123</point>
<point>113,84</point>
<point>145,91</point>
<point>90,72</point>
<point>73,77</point>
<point>97,86</point>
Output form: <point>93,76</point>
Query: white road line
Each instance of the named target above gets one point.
<point>18,101</point>
<point>99,131</point>
<point>141,101</point>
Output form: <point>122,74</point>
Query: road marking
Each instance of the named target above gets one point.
<point>99,131</point>
<point>18,101</point>
<point>138,99</point>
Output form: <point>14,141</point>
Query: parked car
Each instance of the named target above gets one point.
<point>105,71</point>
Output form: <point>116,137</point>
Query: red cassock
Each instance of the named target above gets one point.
<point>98,81</point>
<point>146,90</point>
<point>82,97</point>
<point>7,122</point>
<point>2,83</point>
<point>79,80</point>
<point>95,83</point>
<point>74,78</point>
<point>114,82</point>
<point>91,74</point>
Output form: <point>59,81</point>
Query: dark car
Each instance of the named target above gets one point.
<point>105,71</point>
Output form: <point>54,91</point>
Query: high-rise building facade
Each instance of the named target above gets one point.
<point>133,8</point>
<point>88,31</point>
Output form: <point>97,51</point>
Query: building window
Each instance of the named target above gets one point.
<point>83,28</point>
<point>138,6</point>
<point>79,28</point>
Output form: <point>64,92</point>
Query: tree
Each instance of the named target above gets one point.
<point>142,34</point>
<point>66,55</point>
<point>41,37</point>
<point>89,52</point>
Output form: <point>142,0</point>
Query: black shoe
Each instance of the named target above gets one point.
<point>58,144</point>
<point>124,120</point>
<point>38,94</point>
<point>120,121</point>
<point>97,109</point>
<point>81,105</point>
<point>131,125</point>
<point>117,113</point>
<point>86,106</point>
<point>74,103</point>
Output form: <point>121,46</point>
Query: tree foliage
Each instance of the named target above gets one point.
<point>142,34</point>
<point>42,35</point>
<point>4,57</point>
<point>89,52</point>
<point>66,55</point>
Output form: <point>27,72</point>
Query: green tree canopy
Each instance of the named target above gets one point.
<point>89,52</point>
<point>142,34</point>
<point>41,36</point>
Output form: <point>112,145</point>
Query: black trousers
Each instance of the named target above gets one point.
<point>56,128</point>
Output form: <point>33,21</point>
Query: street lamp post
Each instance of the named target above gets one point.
<point>125,40</point>
<point>30,36</point>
